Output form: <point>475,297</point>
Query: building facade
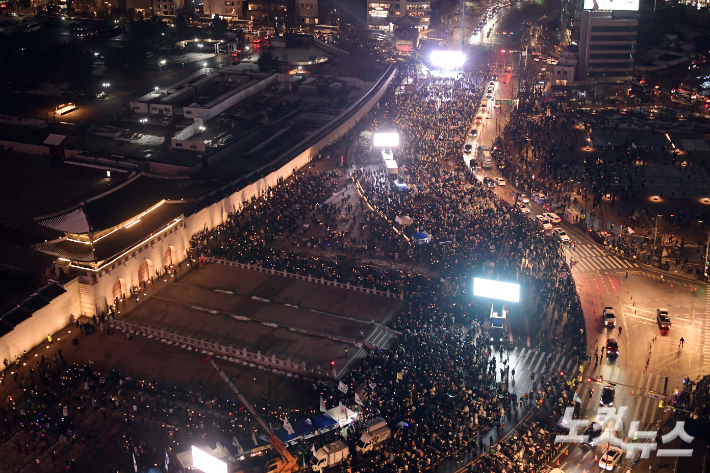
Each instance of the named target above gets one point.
<point>382,14</point>
<point>307,12</point>
<point>607,45</point>
<point>565,70</point>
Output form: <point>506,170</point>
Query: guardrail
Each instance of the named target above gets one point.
<point>307,278</point>
<point>227,353</point>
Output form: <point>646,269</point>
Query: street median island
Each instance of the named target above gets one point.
<point>275,316</point>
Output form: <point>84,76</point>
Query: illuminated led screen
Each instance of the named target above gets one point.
<point>496,290</point>
<point>206,462</point>
<point>618,5</point>
<point>447,59</point>
<point>385,139</point>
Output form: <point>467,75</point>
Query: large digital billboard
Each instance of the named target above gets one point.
<point>490,289</point>
<point>206,462</point>
<point>619,5</point>
<point>385,139</point>
<point>447,59</point>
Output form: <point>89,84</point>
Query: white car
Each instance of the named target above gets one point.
<point>544,223</point>
<point>499,181</point>
<point>523,198</point>
<point>523,208</point>
<point>552,217</point>
<point>562,235</point>
<point>611,458</point>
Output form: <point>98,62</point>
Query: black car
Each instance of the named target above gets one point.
<point>607,398</point>
<point>488,182</point>
<point>612,347</point>
<point>473,132</point>
<point>467,148</point>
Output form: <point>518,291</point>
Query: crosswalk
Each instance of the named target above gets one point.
<point>638,390</point>
<point>591,258</point>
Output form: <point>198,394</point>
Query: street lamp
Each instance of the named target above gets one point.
<point>655,235</point>
<point>202,131</point>
<point>161,63</point>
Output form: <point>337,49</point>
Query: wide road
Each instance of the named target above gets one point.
<point>650,365</point>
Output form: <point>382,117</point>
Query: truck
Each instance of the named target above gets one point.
<point>331,454</point>
<point>376,432</point>
<point>499,326</point>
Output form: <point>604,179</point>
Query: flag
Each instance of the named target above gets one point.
<point>343,387</point>
<point>342,409</point>
<point>287,426</point>
<point>167,460</point>
<point>135,465</point>
<point>576,398</point>
<point>358,400</point>
<point>235,442</point>
<point>313,449</point>
<point>253,437</point>
<point>322,405</point>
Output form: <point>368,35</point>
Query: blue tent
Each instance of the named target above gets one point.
<point>421,238</point>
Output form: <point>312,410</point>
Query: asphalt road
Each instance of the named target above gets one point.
<point>650,365</point>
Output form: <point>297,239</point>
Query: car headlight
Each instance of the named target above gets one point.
<point>611,404</point>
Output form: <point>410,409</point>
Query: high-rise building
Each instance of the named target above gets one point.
<point>382,13</point>
<point>607,45</point>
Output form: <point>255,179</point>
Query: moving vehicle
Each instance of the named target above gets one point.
<point>612,347</point>
<point>479,119</point>
<point>561,235</point>
<point>607,398</point>
<point>487,164</point>
<point>663,319</point>
<point>544,223</point>
<point>522,207</point>
<point>608,317</point>
<point>286,463</point>
<point>523,198</point>
<point>610,458</point>
<point>552,217</point>
<point>331,454</point>
<point>376,432</point>
<point>473,132</point>
<point>499,327</point>
<point>467,148</point>
<point>499,181</point>
<point>488,182</point>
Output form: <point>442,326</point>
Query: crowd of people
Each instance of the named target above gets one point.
<point>442,380</point>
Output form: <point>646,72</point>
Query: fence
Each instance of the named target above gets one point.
<point>301,277</point>
<point>228,353</point>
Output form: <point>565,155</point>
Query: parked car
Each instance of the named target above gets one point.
<point>552,217</point>
<point>544,223</point>
<point>499,181</point>
<point>523,208</point>
<point>610,458</point>
<point>608,317</point>
<point>612,347</point>
<point>488,182</point>
<point>663,319</point>
<point>562,235</point>
<point>523,198</point>
<point>607,397</point>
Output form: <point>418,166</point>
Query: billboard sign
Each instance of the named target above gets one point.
<point>490,289</point>
<point>618,5</point>
<point>450,60</point>
<point>206,462</point>
<point>385,139</point>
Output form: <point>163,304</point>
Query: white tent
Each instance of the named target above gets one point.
<point>342,418</point>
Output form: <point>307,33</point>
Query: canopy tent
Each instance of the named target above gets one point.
<point>421,238</point>
<point>404,220</point>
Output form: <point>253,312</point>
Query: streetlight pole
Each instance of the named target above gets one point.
<point>655,236</point>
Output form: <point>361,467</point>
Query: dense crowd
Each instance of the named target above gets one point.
<point>442,381</point>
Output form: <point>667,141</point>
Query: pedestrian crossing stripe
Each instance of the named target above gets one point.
<point>591,258</point>
<point>527,361</point>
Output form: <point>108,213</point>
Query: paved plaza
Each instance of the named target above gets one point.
<point>287,318</point>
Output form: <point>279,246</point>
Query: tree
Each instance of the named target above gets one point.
<point>268,62</point>
<point>218,24</point>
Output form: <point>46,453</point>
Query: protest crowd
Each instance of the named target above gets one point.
<point>443,380</point>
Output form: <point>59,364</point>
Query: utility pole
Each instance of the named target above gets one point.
<point>655,235</point>
<point>707,244</point>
